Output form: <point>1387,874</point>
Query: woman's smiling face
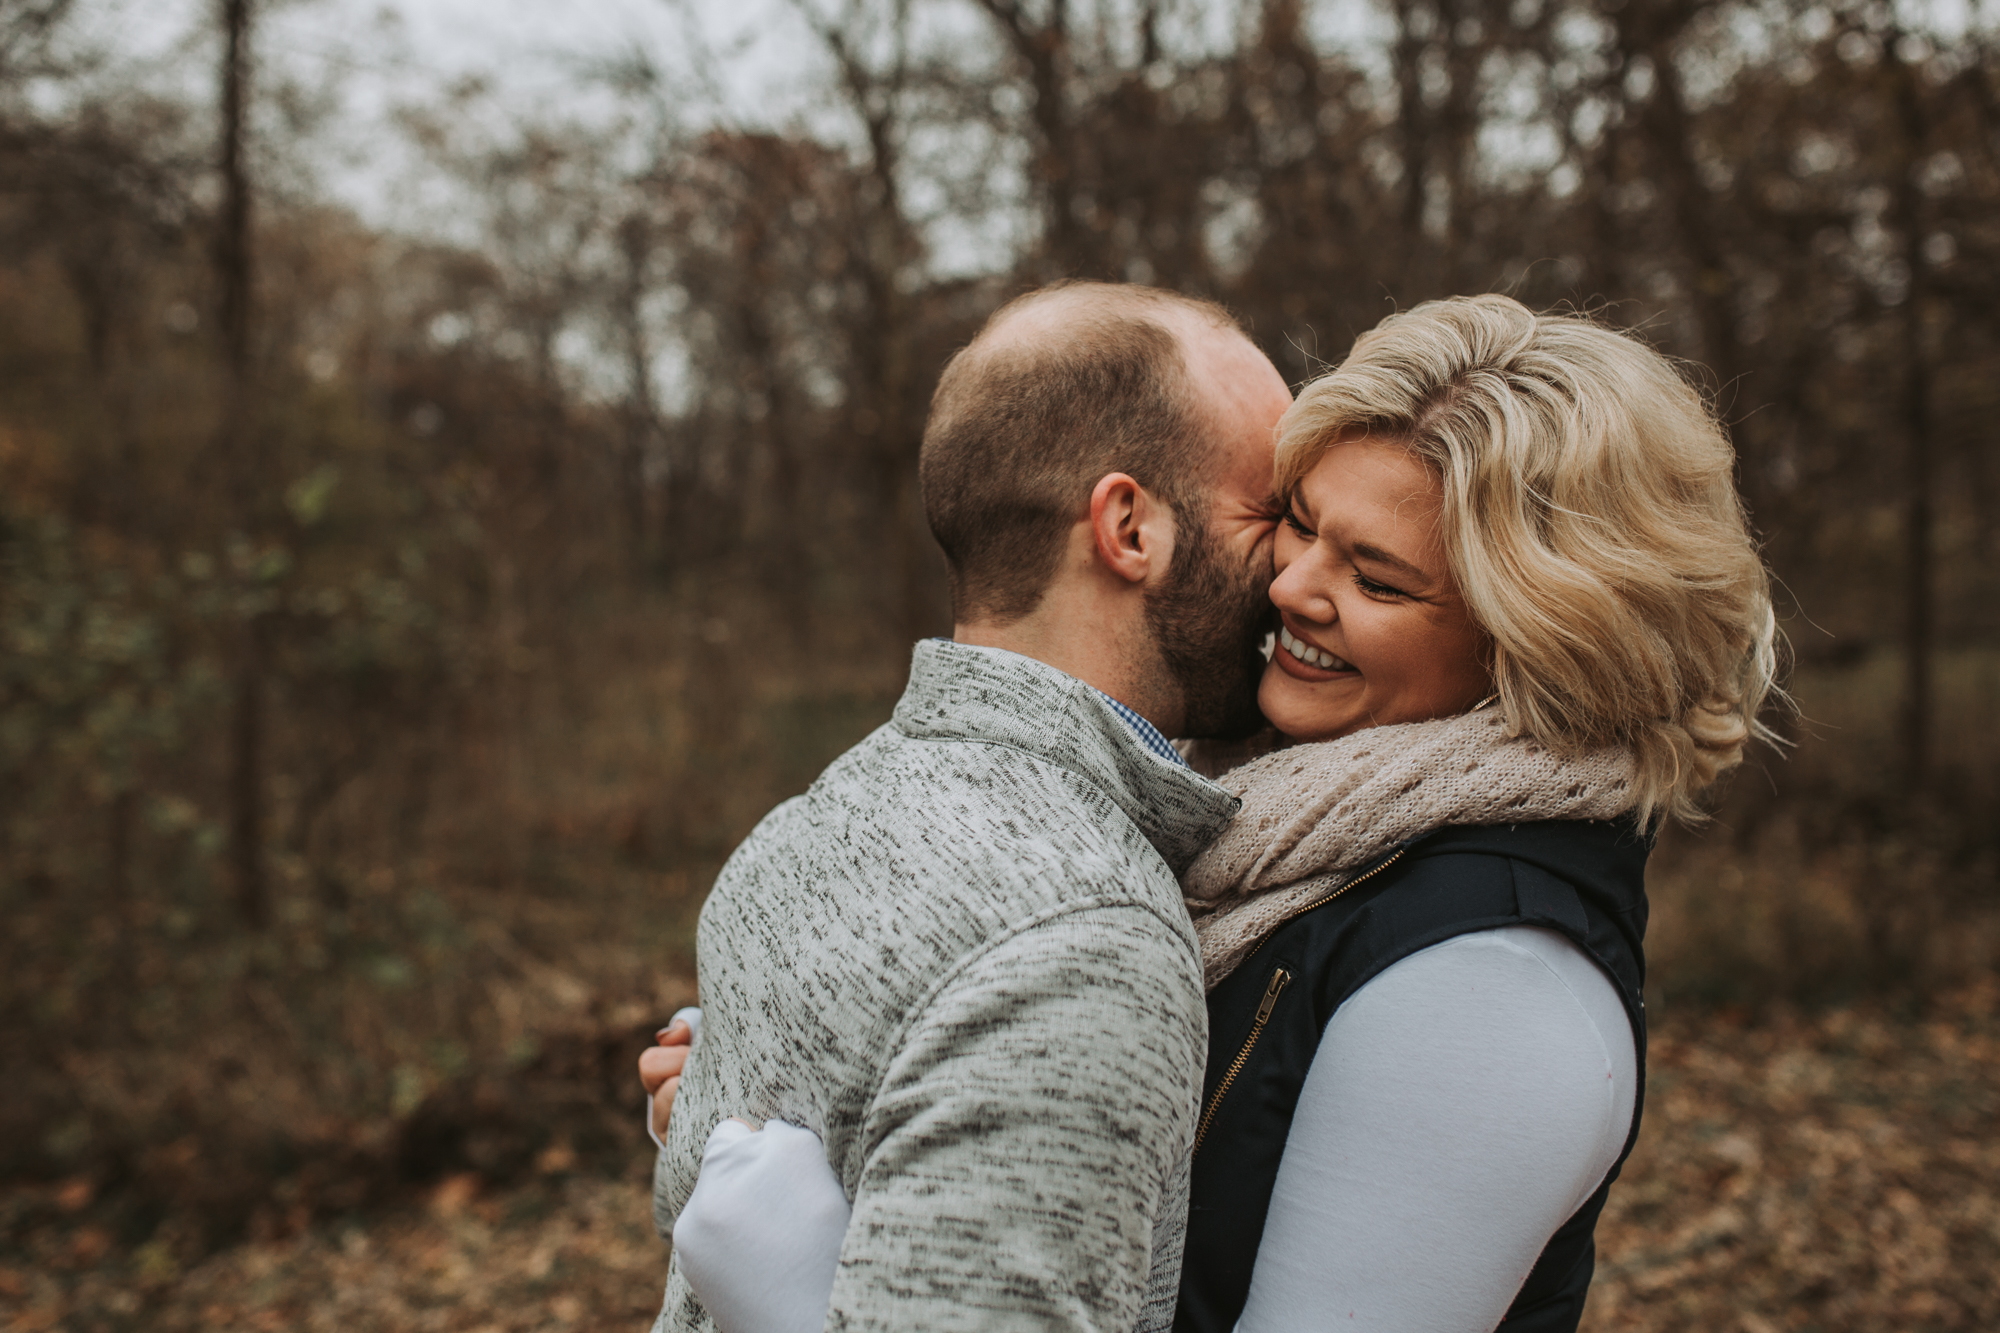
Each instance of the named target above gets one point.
<point>1374,630</point>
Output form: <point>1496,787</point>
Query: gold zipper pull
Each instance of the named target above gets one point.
<point>1279,980</point>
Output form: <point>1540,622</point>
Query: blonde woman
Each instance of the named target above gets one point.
<point>1522,622</point>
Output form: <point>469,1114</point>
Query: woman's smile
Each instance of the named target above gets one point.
<point>1308,661</point>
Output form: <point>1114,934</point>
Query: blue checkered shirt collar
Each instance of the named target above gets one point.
<point>1149,735</point>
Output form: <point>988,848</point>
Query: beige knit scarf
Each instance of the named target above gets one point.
<point>1314,815</point>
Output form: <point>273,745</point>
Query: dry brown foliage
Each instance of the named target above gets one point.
<point>1829,1172</point>
<point>1826,1172</point>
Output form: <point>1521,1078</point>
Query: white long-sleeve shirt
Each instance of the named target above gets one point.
<point>1461,1106</point>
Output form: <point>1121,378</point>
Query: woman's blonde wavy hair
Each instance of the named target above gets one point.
<point>1591,522</point>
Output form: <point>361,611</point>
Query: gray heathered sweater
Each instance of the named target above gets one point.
<point>962,959</point>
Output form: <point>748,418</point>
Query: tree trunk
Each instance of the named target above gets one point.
<point>246,777</point>
<point>232,251</point>
<point>1919,601</point>
<point>1044,49</point>
<point>121,817</point>
<point>234,274</point>
<point>1413,133</point>
<point>641,414</point>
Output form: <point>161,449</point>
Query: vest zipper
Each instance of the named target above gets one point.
<point>1324,899</point>
<point>1279,980</point>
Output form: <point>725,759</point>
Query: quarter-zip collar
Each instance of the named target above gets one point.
<point>958,692</point>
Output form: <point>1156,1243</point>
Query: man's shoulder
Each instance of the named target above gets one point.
<point>910,856</point>
<point>966,802</point>
<point>888,754</point>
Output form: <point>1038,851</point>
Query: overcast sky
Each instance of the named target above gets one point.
<point>373,55</point>
<point>370,56</point>
<point>376,54</point>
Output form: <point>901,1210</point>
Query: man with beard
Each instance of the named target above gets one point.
<point>961,959</point>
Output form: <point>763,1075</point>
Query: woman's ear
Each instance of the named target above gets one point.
<point>1132,530</point>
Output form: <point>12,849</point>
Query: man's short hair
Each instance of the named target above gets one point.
<point>1020,430</point>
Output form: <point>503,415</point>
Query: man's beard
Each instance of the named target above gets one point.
<point>1209,623</point>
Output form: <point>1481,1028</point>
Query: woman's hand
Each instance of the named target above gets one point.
<point>660,1068</point>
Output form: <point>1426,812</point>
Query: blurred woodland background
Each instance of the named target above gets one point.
<point>396,630</point>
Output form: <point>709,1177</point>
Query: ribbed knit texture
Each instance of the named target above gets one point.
<point>1315,814</point>
<point>962,960</point>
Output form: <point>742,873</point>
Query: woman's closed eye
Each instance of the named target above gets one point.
<point>1298,524</point>
<point>1375,589</point>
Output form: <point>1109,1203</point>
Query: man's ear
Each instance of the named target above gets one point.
<point>1132,529</point>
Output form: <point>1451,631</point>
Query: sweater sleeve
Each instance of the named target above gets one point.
<point>1460,1108</point>
<point>1027,1135</point>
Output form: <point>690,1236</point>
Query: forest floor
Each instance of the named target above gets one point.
<point>1829,1171</point>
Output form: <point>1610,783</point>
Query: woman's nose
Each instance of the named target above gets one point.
<point>1301,588</point>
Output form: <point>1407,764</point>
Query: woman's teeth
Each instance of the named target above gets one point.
<point>1310,655</point>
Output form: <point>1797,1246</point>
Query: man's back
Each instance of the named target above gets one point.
<point>962,959</point>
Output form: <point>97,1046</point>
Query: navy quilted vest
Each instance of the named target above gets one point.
<point>1584,879</point>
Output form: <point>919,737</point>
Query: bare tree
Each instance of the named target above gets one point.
<point>28,32</point>
<point>235,279</point>
<point>638,246</point>
<point>1042,45</point>
<point>1907,210</point>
